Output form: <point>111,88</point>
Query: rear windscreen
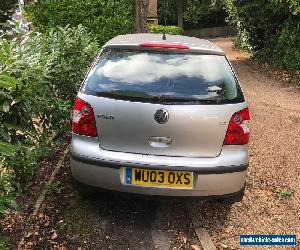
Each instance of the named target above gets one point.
<point>163,77</point>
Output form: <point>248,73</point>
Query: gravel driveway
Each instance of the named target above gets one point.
<point>274,161</point>
<point>271,203</point>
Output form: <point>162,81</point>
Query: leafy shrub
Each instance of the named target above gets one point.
<point>196,14</point>
<point>172,30</point>
<point>285,51</point>
<point>7,201</point>
<point>39,77</point>
<point>3,245</point>
<point>241,42</point>
<point>258,20</point>
<point>104,19</point>
<point>268,29</point>
<point>7,187</point>
<point>25,85</point>
<point>167,12</point>
<point>288,48</point>
<point>71,50</point>
<point>204,13</point>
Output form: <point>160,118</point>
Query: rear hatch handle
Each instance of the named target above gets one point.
<point>159,142</point>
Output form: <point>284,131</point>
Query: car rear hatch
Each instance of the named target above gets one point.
<point>161,102</point>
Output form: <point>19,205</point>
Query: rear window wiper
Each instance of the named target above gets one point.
<point>162,99</point>
<point>123,96</point>
<point>182,99</point>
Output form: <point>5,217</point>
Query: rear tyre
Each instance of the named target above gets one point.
<point>234,198</point>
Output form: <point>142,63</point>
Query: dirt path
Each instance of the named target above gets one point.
<point>68,221</point>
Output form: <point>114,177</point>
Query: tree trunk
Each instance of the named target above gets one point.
<point>180,13</point>
<point>140,16</point>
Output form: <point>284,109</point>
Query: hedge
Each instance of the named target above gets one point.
<point>172,30</point>
<point>104,19</point>
<point>39,78</point>
<point>270,30</point>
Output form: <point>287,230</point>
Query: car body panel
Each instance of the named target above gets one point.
<point>88,147</point>
<point>195,130</point>
<point>113,179</point>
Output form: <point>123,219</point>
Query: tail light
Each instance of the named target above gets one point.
<point>238,129</point>
<point>83,119</point>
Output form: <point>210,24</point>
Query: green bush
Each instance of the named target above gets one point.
<point>3,245</point>
<point>167,12</point>
<point>196,14</point>
<point>268,29</point>
<point>258,20</point>
<point>204,13</point>
<point>39,77</point>
<point>172,30</point>
<point>71,51</point>
<point>287,48</point>
<point>104,19</point>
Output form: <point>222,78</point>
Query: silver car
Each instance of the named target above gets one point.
<point>163,117</point>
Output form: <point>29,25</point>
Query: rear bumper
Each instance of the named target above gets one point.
<point>215,176</point>
<point>208,182</point>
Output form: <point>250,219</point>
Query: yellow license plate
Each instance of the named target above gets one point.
<point>158,178</point>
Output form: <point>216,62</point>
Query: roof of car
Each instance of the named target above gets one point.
<point>194,44</point>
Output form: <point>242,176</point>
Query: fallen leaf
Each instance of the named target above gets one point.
<point>29,245</point>
<point>54,235</point>
<point>28,235</point>
<point>228,229</point>
<point>195,247</point>
<point>60,248</point>
<point>182,237</point>
<point>223,245</point>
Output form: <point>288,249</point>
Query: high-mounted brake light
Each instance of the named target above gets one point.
<point>163,46</point>
<point>238,130</point>
<point>83,119</point>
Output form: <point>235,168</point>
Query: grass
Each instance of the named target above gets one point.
<point>54,188</point>
<point>76,215</point>
<point>3,245</point>
<point>282,193</point>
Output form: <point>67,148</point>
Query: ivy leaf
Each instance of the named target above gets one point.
<point>13,204</point>
<point>7,82</point>
<point>5,95</point>
<point>5,107</point>
<point>2,209</point>
<point>7,202</point>
<point>7,149</point>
